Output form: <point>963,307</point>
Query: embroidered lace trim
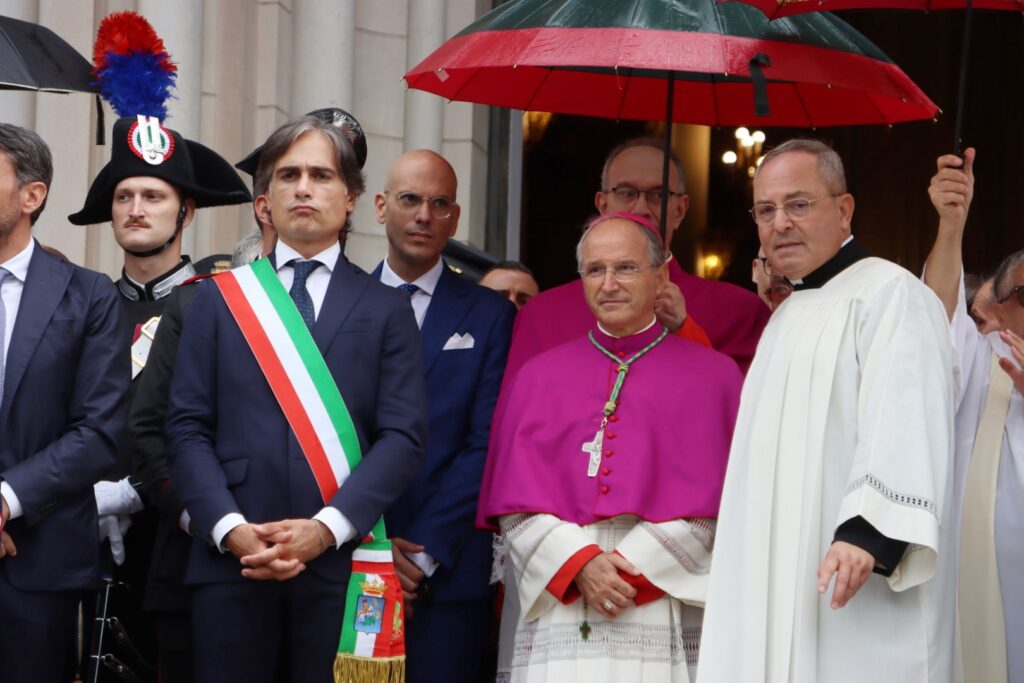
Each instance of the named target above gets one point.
<point>624,642</point>
<point>704,534</point>
<point>892,495</point>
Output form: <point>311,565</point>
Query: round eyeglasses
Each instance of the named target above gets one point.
<point>440,207</point>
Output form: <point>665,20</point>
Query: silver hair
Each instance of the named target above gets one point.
<point>656,254</point>
<point>655,143</point>
<point>247,249</point>
<point>1001,281</point>
<point>830,165</point>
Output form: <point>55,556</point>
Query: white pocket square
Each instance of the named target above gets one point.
<point>458,341</point>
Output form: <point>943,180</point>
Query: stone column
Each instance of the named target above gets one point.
<point>424,112</point>
<point>323,54</point>
<point>180,25</point>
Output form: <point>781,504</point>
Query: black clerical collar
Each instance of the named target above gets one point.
<point>848,254</point>
<point>158,287</point>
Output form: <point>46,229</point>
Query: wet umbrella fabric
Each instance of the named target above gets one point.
<point>691,61</point>
<point>612,60</point>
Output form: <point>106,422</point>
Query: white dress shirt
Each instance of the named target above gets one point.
<point>316,285</point>
<point>11,290</point>
<point>427,283</point>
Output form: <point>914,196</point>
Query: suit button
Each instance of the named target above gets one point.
<point>621,354</point>
<point>609,454</point>
<point>613,418</point>
<point>606,471</point>
<point>610,435</point>
<point>604,489</point>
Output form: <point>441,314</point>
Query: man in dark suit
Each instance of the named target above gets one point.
<point>254,503</point>
<point>63,380</point>
<point>444,563</point>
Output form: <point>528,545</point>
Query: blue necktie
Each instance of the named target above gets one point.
<point>408,289</point>
<point>3,333</point>
<point>298,292</point>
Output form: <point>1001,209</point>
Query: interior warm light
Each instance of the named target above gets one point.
<point>758,136</point>
<point>534,125</point>
<point>759,160</point>
<point>742,133</point>
<point>729,157</point>
<point>712,262</point>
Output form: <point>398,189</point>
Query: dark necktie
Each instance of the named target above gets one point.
<point>298,292</point>
<point>408,289</point>
<point>3,331</point>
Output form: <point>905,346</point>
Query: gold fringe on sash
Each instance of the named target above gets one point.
<point>351,669</point>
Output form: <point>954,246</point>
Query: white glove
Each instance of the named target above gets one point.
<point>114,527</point>
<point>116,497</point>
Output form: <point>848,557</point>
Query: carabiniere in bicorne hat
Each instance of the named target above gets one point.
<point>135,75</point>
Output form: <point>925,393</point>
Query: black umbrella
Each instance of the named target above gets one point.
<point>32,57</point>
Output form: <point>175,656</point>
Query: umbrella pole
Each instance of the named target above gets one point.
<point>964,52</point>
<point>663,223</point>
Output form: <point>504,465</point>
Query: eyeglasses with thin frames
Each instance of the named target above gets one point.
<point>627,196</point>
<point>625,273</point>
<point>440,207</point>
<point>797,209</point>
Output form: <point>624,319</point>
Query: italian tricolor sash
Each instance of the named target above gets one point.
<point>372,646</point>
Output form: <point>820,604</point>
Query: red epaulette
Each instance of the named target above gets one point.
<point>197,278</point>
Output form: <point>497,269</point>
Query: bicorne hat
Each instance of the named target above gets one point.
<point>142,146</point>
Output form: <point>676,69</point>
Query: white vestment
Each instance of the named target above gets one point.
<point>973,355</point>
<point>654,643</point>
<point>847,411</point>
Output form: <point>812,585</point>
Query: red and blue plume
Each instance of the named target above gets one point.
<point>132,67</point>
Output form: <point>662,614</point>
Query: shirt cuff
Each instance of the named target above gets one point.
<point>561,585</point>
<point>184,520</point>
<point>427,564</point>
<point>645,590</point>
<point>225,525</point>
<point>888,552</point>
<point>12,499</point>
<point>338,524</point>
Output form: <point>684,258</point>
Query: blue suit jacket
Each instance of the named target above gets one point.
<point>231,449</point>
<point>438,510</point>
<point>64,406</point>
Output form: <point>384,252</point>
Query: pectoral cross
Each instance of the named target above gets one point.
<point>594,448</point>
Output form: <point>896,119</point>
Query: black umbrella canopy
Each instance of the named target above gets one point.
<point>32,57</point>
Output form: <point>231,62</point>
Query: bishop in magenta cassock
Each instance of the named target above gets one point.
<point>604,478</point>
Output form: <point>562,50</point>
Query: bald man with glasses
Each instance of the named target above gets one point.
<point>443,562</point>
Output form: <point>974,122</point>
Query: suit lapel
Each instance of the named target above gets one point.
<point>45,284</point>
<point>448,306</point>
<point>343,291</point>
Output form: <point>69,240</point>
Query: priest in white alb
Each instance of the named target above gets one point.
<point>833,559</point>
<point>989,439</point>
<point>604,476</point>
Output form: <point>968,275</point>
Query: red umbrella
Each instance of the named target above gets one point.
<point>785,8</point>
<point>688,61</point>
